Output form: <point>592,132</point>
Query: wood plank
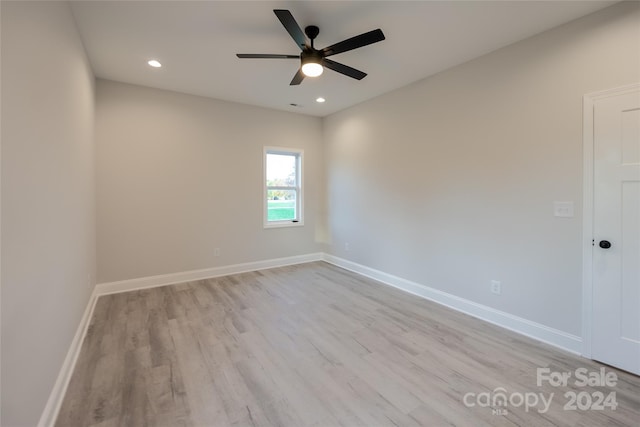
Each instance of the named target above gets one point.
<point>311,345</point>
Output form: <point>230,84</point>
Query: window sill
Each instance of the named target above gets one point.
<point>283,224</point>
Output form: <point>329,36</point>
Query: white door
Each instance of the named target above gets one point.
<point>616,231</point>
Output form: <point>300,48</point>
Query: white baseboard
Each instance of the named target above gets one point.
<point>51,410</point>
<point>207,273</point>
<point>537,331</point>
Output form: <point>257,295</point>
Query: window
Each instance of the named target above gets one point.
<point>282,187</point>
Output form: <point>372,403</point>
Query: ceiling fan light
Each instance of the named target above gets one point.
<point>311,63</point>
<point>312,69</point>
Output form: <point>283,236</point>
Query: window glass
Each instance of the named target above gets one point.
<point>283,187</point>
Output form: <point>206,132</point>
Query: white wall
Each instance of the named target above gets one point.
<point>48,205</point>
<point>449,182</point>
<point>180,175</point>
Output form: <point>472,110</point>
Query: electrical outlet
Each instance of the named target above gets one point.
<point>496,287</point>
<point>346,246</point>
<point>216,252</point>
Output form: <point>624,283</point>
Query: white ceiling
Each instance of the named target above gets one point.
<point>196,41</point>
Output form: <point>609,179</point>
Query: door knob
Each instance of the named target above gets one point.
<point>604,244</point>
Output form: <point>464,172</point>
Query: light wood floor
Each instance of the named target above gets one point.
<point>311,345</point>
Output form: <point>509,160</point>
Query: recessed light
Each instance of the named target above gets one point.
<point>320,100</point>
<point>154,63</point>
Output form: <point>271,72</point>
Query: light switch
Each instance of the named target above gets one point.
<point>563,209</point>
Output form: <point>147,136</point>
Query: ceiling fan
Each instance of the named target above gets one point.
<point>314,60</point>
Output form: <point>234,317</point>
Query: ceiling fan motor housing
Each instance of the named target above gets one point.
<point>311,55</point>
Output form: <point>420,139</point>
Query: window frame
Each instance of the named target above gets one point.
<point>298,188</point>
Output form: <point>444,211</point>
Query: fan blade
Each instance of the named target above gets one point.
<point>297,79</point>
<point>344,69</point>
<point>354,42</point>
<point>266,55</point>
<point>292,27</point>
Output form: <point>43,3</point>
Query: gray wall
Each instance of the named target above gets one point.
<point>180,175</point>
<point>453,186</point>
<point>48,206</point>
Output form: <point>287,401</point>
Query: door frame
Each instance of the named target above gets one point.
<point>588,102</point>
